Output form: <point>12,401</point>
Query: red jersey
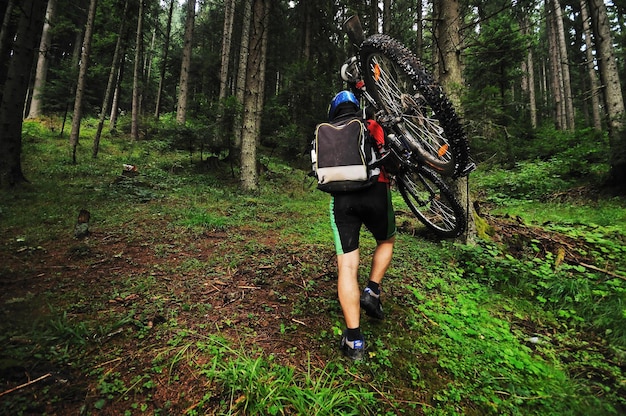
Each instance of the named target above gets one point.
<point>377,132</point>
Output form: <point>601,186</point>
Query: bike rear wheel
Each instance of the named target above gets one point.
<point>430,199</point>
<point>401,87</point>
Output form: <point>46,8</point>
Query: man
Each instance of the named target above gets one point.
<point>348,212</point>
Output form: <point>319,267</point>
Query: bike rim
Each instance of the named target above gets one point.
<point>432,207</point>
<point>398,94</point>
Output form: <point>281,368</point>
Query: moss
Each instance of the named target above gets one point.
<point>483,229</point>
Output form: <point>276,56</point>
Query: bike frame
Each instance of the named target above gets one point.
<point>424,192</point>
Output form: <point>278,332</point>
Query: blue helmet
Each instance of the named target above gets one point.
<point>341,98</point>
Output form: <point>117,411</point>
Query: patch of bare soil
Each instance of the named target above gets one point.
<point>135,295</point>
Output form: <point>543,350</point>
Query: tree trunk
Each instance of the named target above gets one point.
<point>419,45</point>
<point>116,92</point>
<point>564,64</point>
<point>229,14</point>
<point>555,70</point>
<point>253,98</point>
<point>5,50</point>
<point>26,37</point>
<point>166,49</point>
<point>241,71</point>
<point>183,84</point>
<point>82,79</point>
<point>110,83</point>
<point>613,99</point>
<point>262,68</point>
<point>36,103</point>
<point>137,84</point>
<point>449,66</point>
<point>528,75</point>
<point>591,68</point>
<point>374,17</point>
<point>450,76</point>
<point>387,16</point>
<point>76,53</point>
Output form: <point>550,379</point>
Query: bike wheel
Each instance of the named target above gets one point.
<point>432,202</point>
<point>401,86</point>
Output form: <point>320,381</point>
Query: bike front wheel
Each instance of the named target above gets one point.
<point>430,199</point>
<point>400,86</point>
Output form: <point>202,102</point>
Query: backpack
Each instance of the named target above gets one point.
<point>341,156</point>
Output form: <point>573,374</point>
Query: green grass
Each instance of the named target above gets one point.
<point>606,213</point>
<point>471,330</point>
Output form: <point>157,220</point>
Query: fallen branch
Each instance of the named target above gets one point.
<point>607,272</point>
<point>25,384</point>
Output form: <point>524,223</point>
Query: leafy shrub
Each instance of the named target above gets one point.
<point>577,152</point>
<point>529,180</point>
<point>575,300</point>
<point>573,293</point>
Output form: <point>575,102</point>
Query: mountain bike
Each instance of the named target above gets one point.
<point>425,136</point>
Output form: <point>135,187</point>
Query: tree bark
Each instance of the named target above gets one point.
<point>564,65</point>
<point>183,84</point>
<point>137,84</point>
<point>166,50</point>
<point>229,14</point>
<point>555,70</point>
<point>528,76</point>
<point>374,17</point>
<point>82,79</point>
<point>36,102</point>
<point>613,98</point>
<point>420,30</point>
<point>387,16</point>
<point>591,68</point>
<point>253,105</point>
<point>116,92</point>
<point>262,67</point>
<point>241,71</point>
<point>4,43</point>
<point>110,83</point>
<point>26,37</point>
<point>450,75</point>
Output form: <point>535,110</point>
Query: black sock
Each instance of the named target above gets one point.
<point>353,333</point>
<point>374,287</point>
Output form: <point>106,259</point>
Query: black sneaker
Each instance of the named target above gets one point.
<point>371,303</point>
<point>353,349</point>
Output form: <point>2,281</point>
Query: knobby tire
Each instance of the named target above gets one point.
<point>432,201</point>
<point>401,86</point>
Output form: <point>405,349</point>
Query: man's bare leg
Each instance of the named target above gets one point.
<point>348,287</point>
<point>381,259</point>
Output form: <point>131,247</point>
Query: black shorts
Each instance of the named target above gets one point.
<point>371,207</point>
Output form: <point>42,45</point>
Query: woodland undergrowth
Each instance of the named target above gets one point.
<point>191,297</point>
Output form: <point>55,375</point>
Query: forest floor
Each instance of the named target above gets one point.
<point>95,277</point>
<point>119,277</point>
<point>182,274</point>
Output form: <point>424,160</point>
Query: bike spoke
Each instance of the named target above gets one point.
<point>415,107</point>
<point>431,133</point>
<point>388,87</point>
<point>423,131</point>
<point>435,211</point>
<point>428,199</point>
